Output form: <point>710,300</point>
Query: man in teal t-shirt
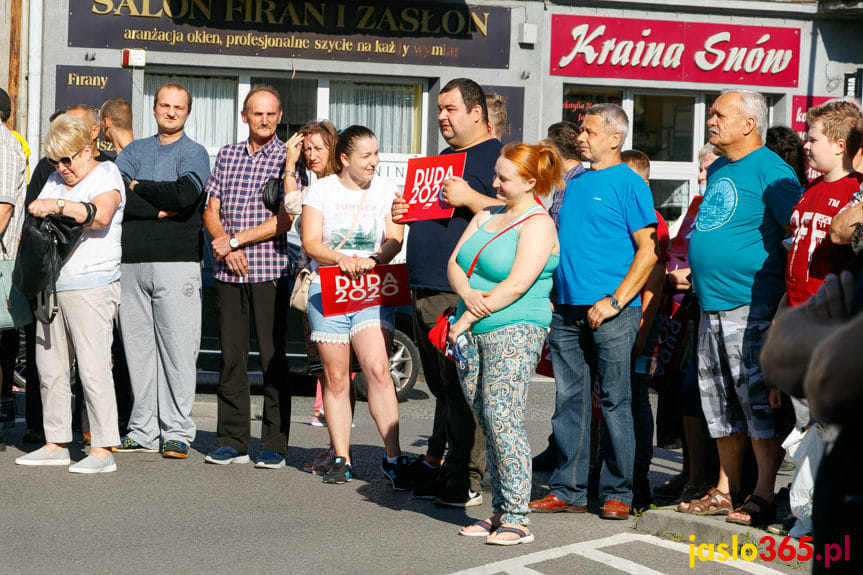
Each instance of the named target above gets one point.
<point>737,262</point>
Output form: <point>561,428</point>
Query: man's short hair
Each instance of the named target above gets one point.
<point>496,105</point>
<point>637,161</point>
<point>613,117</point>
<point>471,92</point>
<point>753,105</point>
<point>175,86</point>
<point>564,136</point>
<point>257,88</point>
<point>840,120</point>
<point>91,114</point>
<point>119,112</point>
<point>5,106</point>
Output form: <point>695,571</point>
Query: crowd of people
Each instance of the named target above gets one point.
<point>539,250</point>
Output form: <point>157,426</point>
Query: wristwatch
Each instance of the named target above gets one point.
<point>614,303</point>
<point>234,242</point>
<point>61,203</point>
<point>375,258</point>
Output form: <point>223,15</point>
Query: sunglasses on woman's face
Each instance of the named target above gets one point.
<point>65,160</point>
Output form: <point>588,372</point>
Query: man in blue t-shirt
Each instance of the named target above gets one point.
<point>160,309</point>
<point>463,122</point>
<point>738,264</point>
<point>607,233</point>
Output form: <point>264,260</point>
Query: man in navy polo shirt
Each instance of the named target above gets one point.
<point>608,246</point>
<point>463,122</point>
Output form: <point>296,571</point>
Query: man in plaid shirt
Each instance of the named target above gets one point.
<point>13,210</point>
<point>252,273</point>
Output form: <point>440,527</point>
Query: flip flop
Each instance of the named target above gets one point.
<point>523,536</point>
<point>485,524</point>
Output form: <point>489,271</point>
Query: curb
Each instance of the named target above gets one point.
<point>670,524</point>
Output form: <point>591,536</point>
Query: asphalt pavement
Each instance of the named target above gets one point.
<point>156,515</point>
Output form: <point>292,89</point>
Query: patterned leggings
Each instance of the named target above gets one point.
<point>499,367</point>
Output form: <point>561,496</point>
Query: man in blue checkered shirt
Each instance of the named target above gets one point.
<point>252,274</point>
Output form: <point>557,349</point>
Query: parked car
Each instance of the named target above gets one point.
<point>404,357</point>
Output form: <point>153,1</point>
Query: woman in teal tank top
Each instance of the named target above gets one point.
<point>502,271</point>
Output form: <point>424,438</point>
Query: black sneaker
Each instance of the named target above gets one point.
<point>340,472</point>
<point>430,489</point>
<point>398,472</point>
<point>420,472</point>
<point>455,495</point>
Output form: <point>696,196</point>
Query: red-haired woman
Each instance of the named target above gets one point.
<point>502,271</point>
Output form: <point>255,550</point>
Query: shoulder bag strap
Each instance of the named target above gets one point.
<point>353,223</point>
<point>500,233</point>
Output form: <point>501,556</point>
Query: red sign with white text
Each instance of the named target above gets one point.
<point>384,285</point>
<point>587,46</point>
<point>800,105</point>
<point>424,182</point>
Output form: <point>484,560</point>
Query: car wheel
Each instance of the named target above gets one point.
<point>404,368</point>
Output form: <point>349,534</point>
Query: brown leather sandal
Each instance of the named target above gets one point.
<point>714,503</point>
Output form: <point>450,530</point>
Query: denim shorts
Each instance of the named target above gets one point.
<point>341,328</point>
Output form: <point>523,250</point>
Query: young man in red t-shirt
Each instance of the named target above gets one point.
<point>835,132</point>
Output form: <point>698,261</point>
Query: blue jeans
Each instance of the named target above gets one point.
<point>572,341</point>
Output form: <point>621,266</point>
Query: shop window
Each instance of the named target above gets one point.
<point>391,111</point>
<point>576,101</point>
<point>213,118</point>
<point>670,197</point>
<point>663,126</point>
<point>299,102</point>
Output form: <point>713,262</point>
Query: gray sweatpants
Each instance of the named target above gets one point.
<point>160,320</point>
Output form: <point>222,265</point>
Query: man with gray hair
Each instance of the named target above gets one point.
<point>737,263</point>
<point>607,233</point>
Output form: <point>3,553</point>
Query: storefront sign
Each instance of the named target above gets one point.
<point>674,51</point>
<point>800,105</point>
<point>91,86</point>
<point>433,34</point>
<point>384,285</point>
<point>424,183</point>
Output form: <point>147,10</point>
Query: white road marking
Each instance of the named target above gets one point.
<point>618,562</point>
<point>591,550</point>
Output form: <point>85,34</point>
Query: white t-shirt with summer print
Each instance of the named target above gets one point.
<point>338,204</point>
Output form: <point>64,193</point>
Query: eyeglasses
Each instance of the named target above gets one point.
<point>65,160</point>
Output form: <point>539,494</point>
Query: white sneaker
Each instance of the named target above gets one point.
<point>44,457</point>
<point>92,465</point>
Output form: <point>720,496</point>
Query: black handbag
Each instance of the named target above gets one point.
<point>271,192</point>
<point>42,251</point>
